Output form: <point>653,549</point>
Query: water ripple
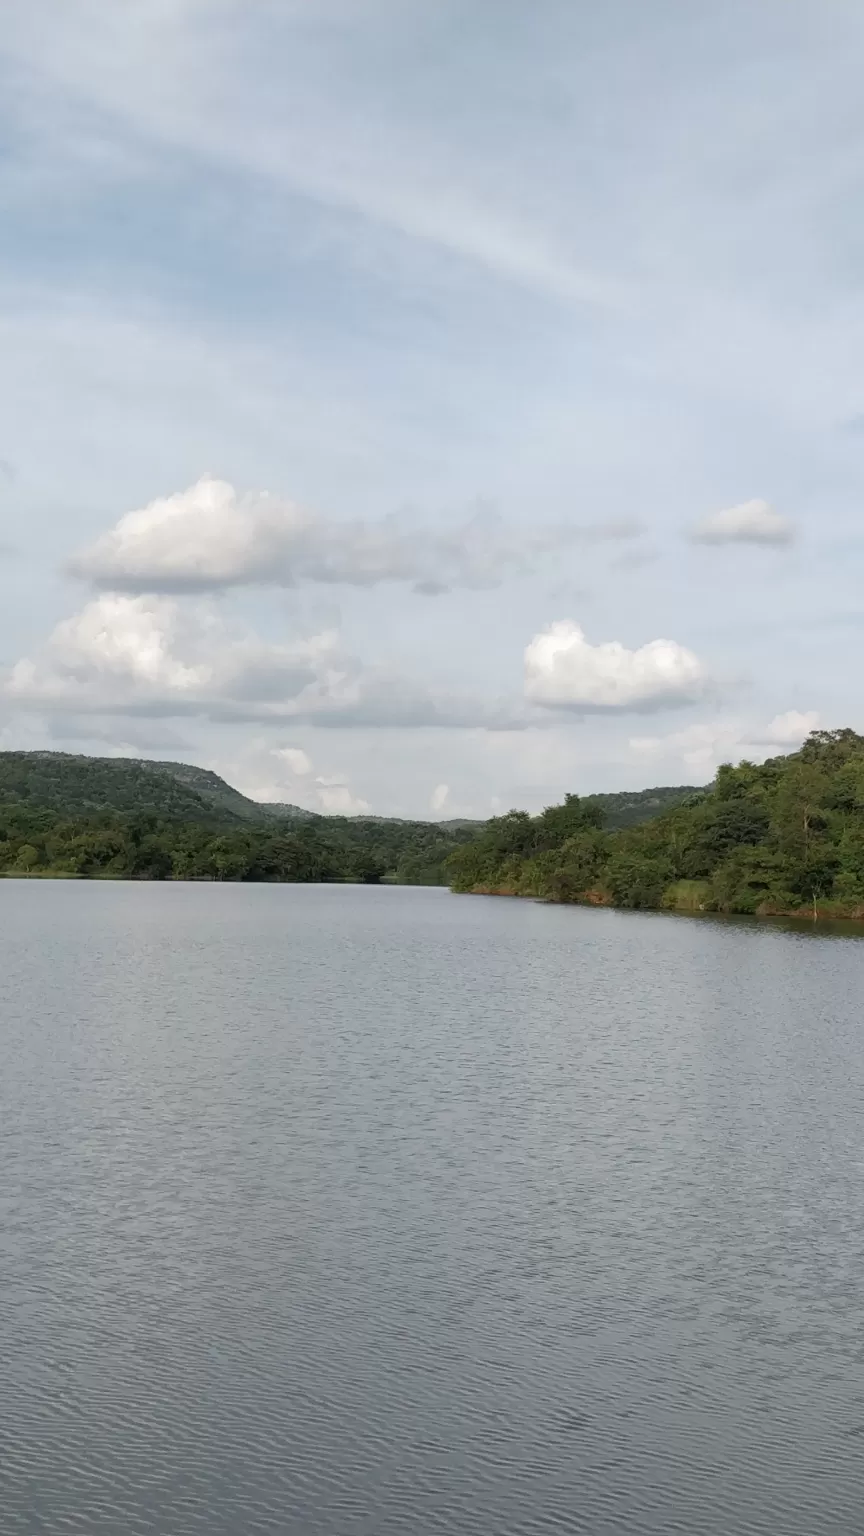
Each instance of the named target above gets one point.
<point>348,1211</point>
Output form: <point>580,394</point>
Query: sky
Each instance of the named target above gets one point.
<point>431,406</point>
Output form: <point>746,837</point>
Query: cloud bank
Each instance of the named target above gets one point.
<point>152,655</point>
<point>209,537</point>
<point>564,671</point>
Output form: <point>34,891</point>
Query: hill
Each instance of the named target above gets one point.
<point>631,807</point>
<point>78,785</point>
<point>124,818</point>
<point>63,813</point>
<point>786,836</point>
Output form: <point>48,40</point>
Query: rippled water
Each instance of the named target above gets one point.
<point>339,1210</point>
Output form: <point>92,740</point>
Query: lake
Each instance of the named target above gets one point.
<point>340,1210</point>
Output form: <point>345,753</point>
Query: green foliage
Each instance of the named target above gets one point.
<point>79,785</point>
<point>632,807</point>
<point>104,818</point>
<point>783,836</point>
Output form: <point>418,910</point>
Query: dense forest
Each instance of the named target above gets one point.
<point>124,818</point>
<point>144,846</point>
<point>783,837</point>
<point>629,808</point>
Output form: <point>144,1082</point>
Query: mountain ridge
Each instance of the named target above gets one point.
<point>76,783</point>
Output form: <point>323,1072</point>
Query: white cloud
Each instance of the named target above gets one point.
<point>206,536</point>
<point>699,747</point>
<point>703,747</point>
<point>337,146</point>
<point>142,653</point>
<point>336,797</point>
<point>295,759</point>
<point>564,671</point>
<point>158,656</point>
<point>789,729</point>
<point>752,522</point>
<point>287,775</point>
<point>440,796</point>
<point>210,537</point>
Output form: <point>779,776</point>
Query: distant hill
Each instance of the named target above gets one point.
<point>77,785</point>
<point>631,807</point>
<point>223,797</point>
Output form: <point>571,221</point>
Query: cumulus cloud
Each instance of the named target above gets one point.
<point>789,729</point>
<point>564,671</point>
<point>295,759</point>
<point>752,522</point>
<point>210,537</point>
<point>336,797</point>
<point>296,780</point>
<point>148,653</point>
<point>152,655</point>
<point>703,747</point>
<point>287,775</point>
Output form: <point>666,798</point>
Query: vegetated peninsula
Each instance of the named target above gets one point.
<point>63,814</point>
<point>785,837</point>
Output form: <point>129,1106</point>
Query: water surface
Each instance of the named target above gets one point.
<point>337,1210</point>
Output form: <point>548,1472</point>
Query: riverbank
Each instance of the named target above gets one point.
<point>687,902</point>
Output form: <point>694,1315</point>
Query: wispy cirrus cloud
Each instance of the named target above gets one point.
<point>334,149</point>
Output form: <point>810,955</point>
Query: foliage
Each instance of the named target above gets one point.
<point>784,836</point>
<point>143,845</point>
<point>79,785</point>
<point>630,808</point>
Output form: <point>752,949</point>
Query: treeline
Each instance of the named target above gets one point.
<point>782,837</point>
<point>143,846</point>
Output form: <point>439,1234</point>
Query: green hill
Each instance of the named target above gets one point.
<point>78,785</point>
<point>224,799</point>
<point>120,818</point>
<point>63,813</point>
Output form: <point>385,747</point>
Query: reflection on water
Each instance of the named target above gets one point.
<point>820,927</point>
<point>342,1210</point>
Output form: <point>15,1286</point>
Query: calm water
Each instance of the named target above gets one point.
<point>335,1210</point>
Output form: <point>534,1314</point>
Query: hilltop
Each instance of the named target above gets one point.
<point>128,818</point>
<point>77,785</point>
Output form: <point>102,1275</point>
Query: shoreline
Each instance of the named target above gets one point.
<point>826,912</point>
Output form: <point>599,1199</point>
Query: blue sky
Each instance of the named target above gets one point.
<point>381,383</point>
